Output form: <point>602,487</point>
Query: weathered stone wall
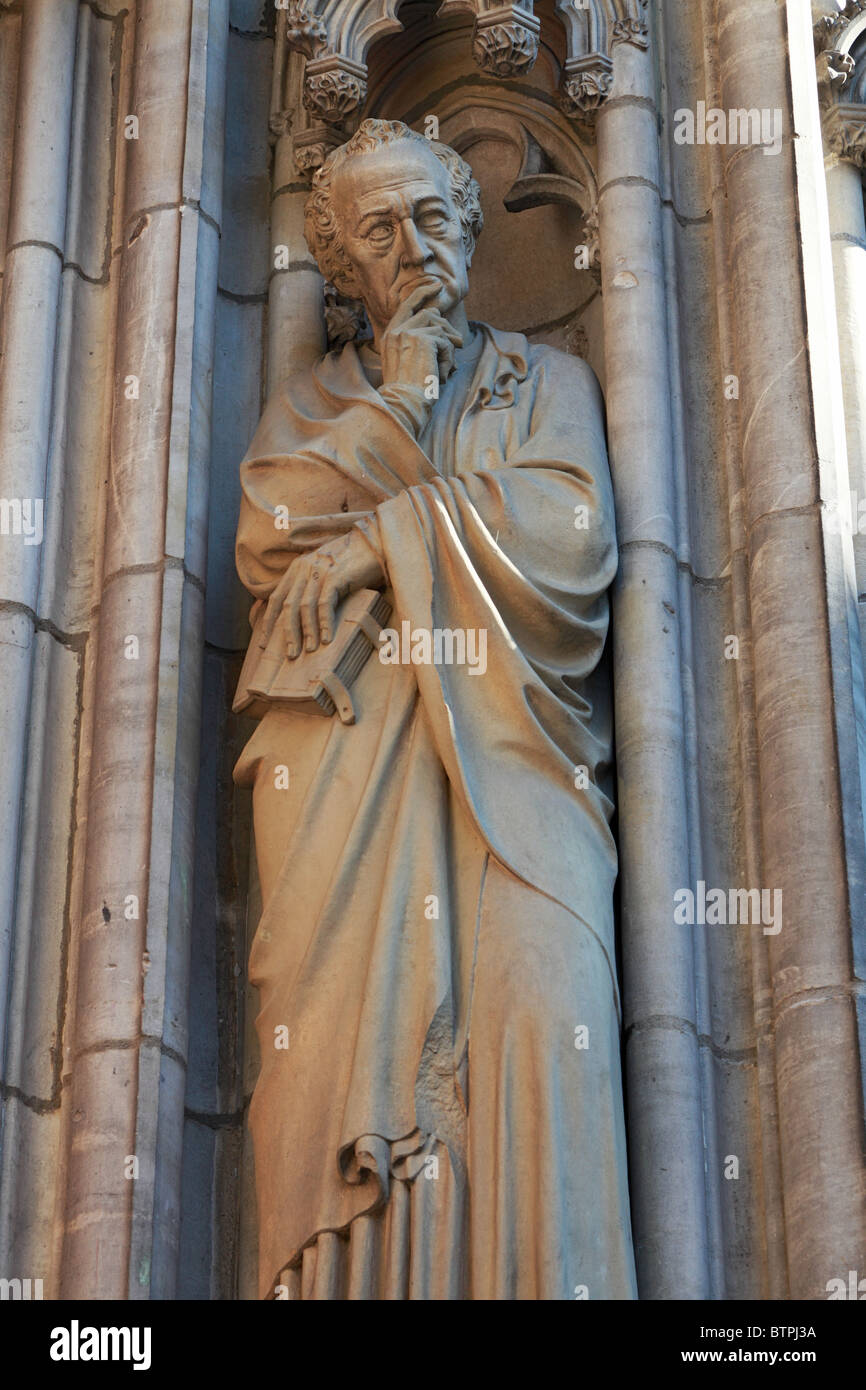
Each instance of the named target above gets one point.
<point>144,320</point>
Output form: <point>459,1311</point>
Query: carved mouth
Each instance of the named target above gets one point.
<point>421,280</point>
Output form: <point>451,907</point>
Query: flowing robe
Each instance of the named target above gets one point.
<point>437,929</point>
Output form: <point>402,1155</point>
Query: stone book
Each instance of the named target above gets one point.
<point>315,682</point>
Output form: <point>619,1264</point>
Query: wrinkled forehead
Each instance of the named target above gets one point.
<point>405,169</point>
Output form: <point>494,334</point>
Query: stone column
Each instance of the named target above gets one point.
<point>663,1077</point>
<point>127,1049</point>
<point>805,640</point>
<point>35,245</point>
<point>39,637</point>
<point>295,307</point>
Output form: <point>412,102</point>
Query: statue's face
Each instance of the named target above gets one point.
<point>400,228</point>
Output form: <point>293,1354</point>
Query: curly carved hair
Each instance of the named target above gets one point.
<point>321,227</point>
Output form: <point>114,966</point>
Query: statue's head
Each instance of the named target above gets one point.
<point>389,210</point>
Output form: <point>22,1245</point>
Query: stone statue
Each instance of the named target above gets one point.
<point>439,1111</point>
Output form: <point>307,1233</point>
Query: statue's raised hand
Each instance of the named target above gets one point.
<point>419,342</point>
<point>308,593</point>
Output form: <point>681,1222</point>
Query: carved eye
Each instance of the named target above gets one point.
<point>433,222</point>
<point>381,233</point>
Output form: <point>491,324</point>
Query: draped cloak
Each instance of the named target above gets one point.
<point>443,1116</point>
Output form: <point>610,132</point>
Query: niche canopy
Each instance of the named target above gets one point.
<point>333,38</point>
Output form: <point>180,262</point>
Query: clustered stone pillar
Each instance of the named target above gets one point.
<point>35,243</point>
<point>662,1063</point>
<point>804,659</point>
<point>128,1040</point>
<point>295,305</point>
<point>105,413</point>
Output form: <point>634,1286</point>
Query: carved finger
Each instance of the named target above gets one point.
<point>446,358</point>
<point>328,600</point>
<point>434,319</point>
<point>308,609</point>
<point>276,601</point>
<point>413,302</point>
<point>430,323</point>
<point>292,615</point>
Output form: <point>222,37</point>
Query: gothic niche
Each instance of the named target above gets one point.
<point>421,470</point>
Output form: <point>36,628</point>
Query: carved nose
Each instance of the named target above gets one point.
<point>415,251</point>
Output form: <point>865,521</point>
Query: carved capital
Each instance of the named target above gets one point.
<point>840,70</point>
<point>506,41</point>
<point>305,31</point>
<point>585,84</point>
<point>333,36</point>
<point>634,31</point>
<point>829,29</point>
<point>311,147</point>
<point>845,131</point>
<point>834,69</point>
<point>334,88</point>
<point>309,158</point>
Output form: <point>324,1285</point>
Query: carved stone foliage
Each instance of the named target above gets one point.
<point>831,29</point>
<point>592,33</point>
<point>312,147</point>
<point>505,38</point>
<point>345,319</point>
<point>834,68</point>
<point>334,89</point>
<point>845,132</point>
<point>506,47</point>
<point>585,84</point>
<point>280,123</point>
<point>305,30</point>
<point>632,30</point>
<point>334,37</point>
<point>840,61</point>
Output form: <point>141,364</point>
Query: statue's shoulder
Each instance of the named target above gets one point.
<point>308,397</point>
<point>277,431</point>
<point>304,386</point>
<point>563,371</point>
<point>548,367</point>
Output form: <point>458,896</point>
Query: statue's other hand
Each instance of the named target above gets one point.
<point>307,596</point>
<point>419,342</point>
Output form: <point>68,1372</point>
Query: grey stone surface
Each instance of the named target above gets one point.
<point>751,769</point>
<point>246,256</point>
<point>237,404</point>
